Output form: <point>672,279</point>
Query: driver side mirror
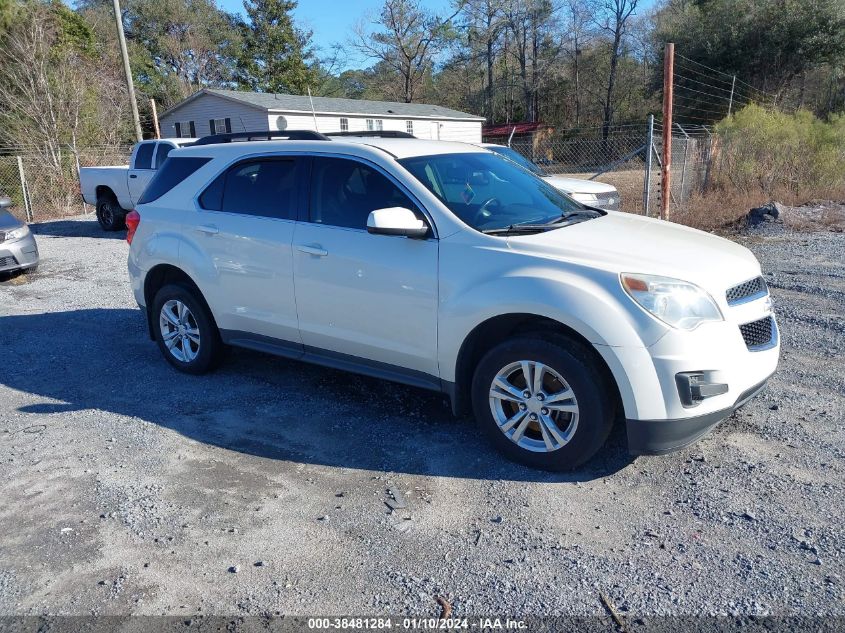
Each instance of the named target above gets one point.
<point>6,202</point>
<point>396,221</point>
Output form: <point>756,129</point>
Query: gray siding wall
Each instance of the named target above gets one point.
<point>246,118</point>
<point>206,107</point>
<point>466,131</point>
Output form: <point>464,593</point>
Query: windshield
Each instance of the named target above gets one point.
<point>519,159</point>
<point>488,192</point>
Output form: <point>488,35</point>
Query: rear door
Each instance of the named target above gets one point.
<point>141,170</point>
<point>244,226</point>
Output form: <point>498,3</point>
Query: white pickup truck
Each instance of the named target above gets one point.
<point>114,191</point>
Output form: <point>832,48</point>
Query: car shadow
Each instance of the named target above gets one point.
<point>254,403</point>
<point>75,228</point>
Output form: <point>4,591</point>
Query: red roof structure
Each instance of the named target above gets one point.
<point>505,129</point>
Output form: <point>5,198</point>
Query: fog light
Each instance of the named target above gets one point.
<point>693,388</point>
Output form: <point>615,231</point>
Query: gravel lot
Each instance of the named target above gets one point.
<point>127,487</point>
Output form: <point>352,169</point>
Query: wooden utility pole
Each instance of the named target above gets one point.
<point>155,118</point>
<point>127,69</point>
<point>666,169</point>
<point>731,100</point>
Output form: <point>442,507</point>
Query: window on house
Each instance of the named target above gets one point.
<point>344,125</point>
<point>409,127</point>
<point>185,129</point>
<point>375,125</point>
<point>219,126</point>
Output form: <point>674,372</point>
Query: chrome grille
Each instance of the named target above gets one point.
<point>608,200</point>
<point>751,289</point>
<point>758,333</point>
<point>8,261</point>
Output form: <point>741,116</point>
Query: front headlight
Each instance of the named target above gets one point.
<point>17,234</point>
<point>585,198</point>
<point>678,303</point>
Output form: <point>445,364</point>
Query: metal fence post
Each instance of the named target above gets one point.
<point>649,140</point>
<point>24,191</point>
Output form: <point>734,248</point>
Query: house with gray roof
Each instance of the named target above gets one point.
<point>212,111</point>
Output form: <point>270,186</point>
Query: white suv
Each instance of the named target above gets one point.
<point>444,266</point>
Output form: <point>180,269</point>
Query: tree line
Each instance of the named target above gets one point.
<point>569,63</point>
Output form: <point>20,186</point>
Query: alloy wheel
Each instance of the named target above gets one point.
<point>534,406</point>
<point>179,330</point>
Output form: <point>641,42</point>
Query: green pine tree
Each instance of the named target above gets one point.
<point>276,54</point>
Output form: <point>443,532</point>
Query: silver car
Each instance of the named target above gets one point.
<point>18,250</point>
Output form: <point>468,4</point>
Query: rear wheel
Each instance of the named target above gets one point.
<point>110,214</point>
<point>543,403</point>
<point>185,330</point>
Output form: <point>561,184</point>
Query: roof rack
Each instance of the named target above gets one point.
<point>374,134</point>
<point>263,135</point>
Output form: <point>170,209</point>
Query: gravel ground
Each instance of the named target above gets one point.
<point>128,488</point>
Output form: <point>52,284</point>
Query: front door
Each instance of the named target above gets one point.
<point>141,171</point>
<point>245,229</point>
<point>371,297</point>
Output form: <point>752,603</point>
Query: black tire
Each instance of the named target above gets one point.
<point>595,399</point>
<point>110,214</point>
<point>210,349</point>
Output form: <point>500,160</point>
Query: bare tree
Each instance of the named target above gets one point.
<point>580,19</point>
<point>485,23</point>
<point>613,19</point>
<point>406,39</point>
<point>535,47</point>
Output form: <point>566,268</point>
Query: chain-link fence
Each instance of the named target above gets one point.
<point>619,157</point>
<point>45,187</point>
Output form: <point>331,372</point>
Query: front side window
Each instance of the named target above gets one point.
<point>144,156</point>
<point>265,187</point>
<point>344,192</point>
<point>488,192</point>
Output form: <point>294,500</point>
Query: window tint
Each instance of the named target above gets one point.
<point>171,174</point>
<point>163,150</point>
<point>144,156</point>
<point>212,198</point>
<point>264,187</point>
<point>344,192</point>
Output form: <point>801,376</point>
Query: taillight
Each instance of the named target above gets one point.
<point>133,219</point>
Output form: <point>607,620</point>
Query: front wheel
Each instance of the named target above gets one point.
<point>185,330</point>
<point>543,402</point>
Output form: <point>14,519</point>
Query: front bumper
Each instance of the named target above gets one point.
<point>19,254</point>
<point>656,437</point>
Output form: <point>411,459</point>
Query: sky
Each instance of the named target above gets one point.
<point>332,21</point>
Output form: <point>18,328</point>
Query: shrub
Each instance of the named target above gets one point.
<point>776,153</point>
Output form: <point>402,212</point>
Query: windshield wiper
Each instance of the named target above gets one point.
<point>519,228</point>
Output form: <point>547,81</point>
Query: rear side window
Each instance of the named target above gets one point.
<point>265,188</point>
<point>144,156</point>
<point>163,150</point>
<point>172,172</point>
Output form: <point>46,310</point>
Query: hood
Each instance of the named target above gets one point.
<point>578,185</point>
<point>8,221</point>
<point>622,242</point>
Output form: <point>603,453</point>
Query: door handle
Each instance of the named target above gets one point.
<point>208,229</point>
<point>312,249</point>
<point>133,175</point>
